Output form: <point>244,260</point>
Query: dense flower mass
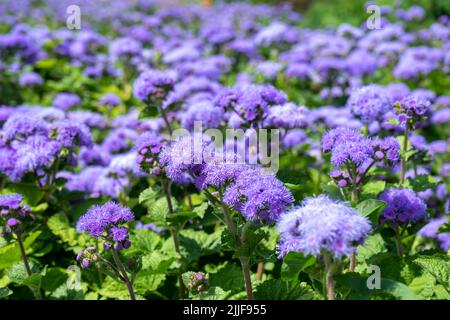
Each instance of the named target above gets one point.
<point>259,196</point>
<point>13,214</point>
<point>322,225</point>
<point>404,207</point>
<point>206,121</point>
<point>152,85</point>
<point>105,222</point>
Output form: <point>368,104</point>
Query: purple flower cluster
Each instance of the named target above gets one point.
<point>13,214</point>
<point>259,196</point>
<point>152,86</point>
<point>105,222</point>
<point>404,207</point>
<point>148,147</point>
<point>65,101</point>
<point>321,225</point>
<point>370,103</point>
<point>431,230</point>
<point>411,110</point>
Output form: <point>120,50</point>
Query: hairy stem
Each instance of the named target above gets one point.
<point>403,163</point>
<point>124,274</point>
<point>329,282</point>
<point>174,234</point>
<point>37,292</point>
<point>248,281</point>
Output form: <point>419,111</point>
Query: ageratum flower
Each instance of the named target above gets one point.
<point>204,112</point>
<point>287,116</point>
<point>184,159</point>
<point>13,214</point>
<point>347,145</point>
<point>250,102</point>
<point>69,134</point>
<point>148,147</point>
<point>322,225</point>
<point>110,99</point>
<point>124,48</point>
<point>411,110</point>
<point>105,222</point>
<point>259,196</point>
<point>404,207</point>
<point>65,100</point>
<point>431,230</point>
<point>21,125</point>
<point>152,86</point>
<point>370,103</point>
<point>30,79</point>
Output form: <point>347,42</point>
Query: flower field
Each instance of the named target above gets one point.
<point>152,150</point>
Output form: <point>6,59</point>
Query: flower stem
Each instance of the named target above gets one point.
<point>355,199</point>
<point>37,292</point>
<point>164,116</point>
<point>329,277</point>
<point>398,243</point>
<point>124,274</point>
<point>174,233</point>
<point>403,163</point>
<point>248,281</point>
<point>239,242</point>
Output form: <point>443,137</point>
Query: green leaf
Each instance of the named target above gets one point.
<point>201,210</point>
<point>31,193</point>
<point>371,208</point>
<point>157,262</point>
<point>228,277</point>
<point>143,242</point>
<point>148,197</point>
<point>422,182</point>
<point>33,281</point>
<point>277,289</point>
<point>292,186</point>
<point>360,290</point>
<point>251,237</point>
<point>213,293</point>
<point>54,278</point>
<point>10,254</point>
<point>293,264</point>
<point>4,292</point>
<point>46,63</point>
<point>372,189</point>
<point>423,286</point>
<point>59,226</point>
<point>438,267</point>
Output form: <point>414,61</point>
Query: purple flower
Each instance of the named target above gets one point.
<point>110,99</point>
<point>105,220</point>
<point>148,147</point>
<point>204,112</point>
<point>412,110</point>
<point>431,230</point>
<point>65,100</point>
<point>124,48</point>
<point>347,145</point>
<point>152,86</point>
<point>322,225</point>
<point>71,134</point>
<point>30,79</point>
<point>287,116</point>
<point>13,214</point>
<point>404,207</point>
<point>20,125</point>
<point>259,196</point>
<point>370,102</point>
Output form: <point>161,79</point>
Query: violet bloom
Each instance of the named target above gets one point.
<point>322,225</point>
<point>30,79</point>
<point>204,112</point>
<point>152,86</point>
<point>105,222</point>
<point>110,99</point>
<point>13,214</point>
<point>404,207</point>
<point>259,196</point>
<point>287,116</point>
<point>370,103</point>
<point>148,147</point>
<point>65,101</point>
<point>411,110</point>
<point>431,230</point>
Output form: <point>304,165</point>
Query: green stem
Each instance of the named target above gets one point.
<point>164,116</point>
<point>174,234</point>
<point>398,243</point>
<point>124,274</point>
<point>403,163</point>
<point>37,292</point>
<point>248,281</point>
<point>329,282</point>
